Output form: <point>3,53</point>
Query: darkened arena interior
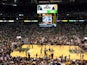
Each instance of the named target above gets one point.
<point>43,32</point>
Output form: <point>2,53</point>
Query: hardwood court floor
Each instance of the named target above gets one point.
<point>57,50</point>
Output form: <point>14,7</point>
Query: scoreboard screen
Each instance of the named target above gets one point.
<point>47,21</point>
<point>47,8</point>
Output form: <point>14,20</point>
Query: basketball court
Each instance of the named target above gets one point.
<point>72,52</point>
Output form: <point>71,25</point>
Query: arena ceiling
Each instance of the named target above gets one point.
<point>29,2</point>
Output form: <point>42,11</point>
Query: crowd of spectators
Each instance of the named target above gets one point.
<point>63,34</point>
